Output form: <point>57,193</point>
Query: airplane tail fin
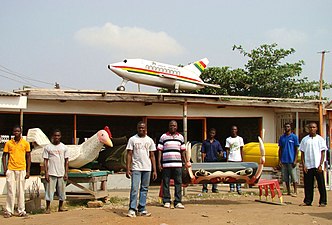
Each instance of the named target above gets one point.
<point>197,67</point>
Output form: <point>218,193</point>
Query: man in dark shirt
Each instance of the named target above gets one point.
<point>211,151</point>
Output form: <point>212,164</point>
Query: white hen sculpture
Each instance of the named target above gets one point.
<point>79,155</point>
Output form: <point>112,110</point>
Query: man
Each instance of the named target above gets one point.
<point>140,157</point>
<point>234,148</point>
<point>19,161</point>
<point>313,148</point>
<point>170,158</point>
<point>288,150</point>
<point>211,151</point>
<point>56,170</point>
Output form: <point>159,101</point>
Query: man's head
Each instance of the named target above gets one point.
<point>17,131</point>
<point>212,133</point>
<point>172,127</point>
<point>141,129</point>
<point>234,131</point>
<point>287,127</point>
<point>312,128</point>
<point>56,136</point>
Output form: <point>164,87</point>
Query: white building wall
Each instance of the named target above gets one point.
<point>156,110</point>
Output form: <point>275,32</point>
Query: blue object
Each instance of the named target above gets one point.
<point>211,150</point>
<point>288,144</point>
<point>140,181</point>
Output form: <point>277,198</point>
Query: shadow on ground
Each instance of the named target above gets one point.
<point>325,215</point>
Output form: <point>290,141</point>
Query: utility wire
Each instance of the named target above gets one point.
<point>22,77</point>
<point>25,78</point>
<point>15,80</point>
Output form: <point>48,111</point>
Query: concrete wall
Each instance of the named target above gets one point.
<point>114,181</point>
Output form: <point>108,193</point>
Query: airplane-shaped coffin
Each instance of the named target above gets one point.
<point>162,75</point>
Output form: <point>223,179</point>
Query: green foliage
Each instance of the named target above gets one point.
<point>264,75</point>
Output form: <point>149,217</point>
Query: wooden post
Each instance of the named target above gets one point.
<point>320,108</point>
<point>75,128</point>
<point>21,119</point>
<point>185,121</point>
<point>185,132</point>
<point>204,129</point>
<point>297,131</point>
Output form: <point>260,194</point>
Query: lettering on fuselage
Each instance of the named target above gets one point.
<point>162,69</point>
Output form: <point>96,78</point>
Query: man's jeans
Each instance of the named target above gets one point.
<point>139,180</point>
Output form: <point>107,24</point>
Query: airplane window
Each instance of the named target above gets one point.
<point>125,61</point>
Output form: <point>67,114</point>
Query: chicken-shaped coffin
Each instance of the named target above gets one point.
<point>79,155</point>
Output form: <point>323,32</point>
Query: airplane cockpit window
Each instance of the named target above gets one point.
<point>125,61</point>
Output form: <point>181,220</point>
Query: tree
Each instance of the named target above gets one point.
<point>264,75</point>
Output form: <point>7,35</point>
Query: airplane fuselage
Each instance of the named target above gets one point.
<point>157,74</point>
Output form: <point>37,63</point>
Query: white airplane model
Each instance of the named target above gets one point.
<point>161,75</point>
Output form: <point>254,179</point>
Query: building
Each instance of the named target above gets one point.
<point>80,114</point>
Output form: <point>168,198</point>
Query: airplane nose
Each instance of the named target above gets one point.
<point>112,68</point>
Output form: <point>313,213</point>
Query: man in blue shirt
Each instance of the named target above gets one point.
<point>288,150</point>
<point>211,151</point>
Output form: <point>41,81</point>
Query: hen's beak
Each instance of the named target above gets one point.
<point>109,143</point>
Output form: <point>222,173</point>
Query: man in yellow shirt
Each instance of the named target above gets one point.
<point>18,169</point>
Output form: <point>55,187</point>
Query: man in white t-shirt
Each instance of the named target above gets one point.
<point>234,147</point>
<point>140,162</point>
<point>56,170</point>
<point>313,148</point>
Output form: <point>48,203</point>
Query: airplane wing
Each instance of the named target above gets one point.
<point>210,85</point>
<point>192,81</point>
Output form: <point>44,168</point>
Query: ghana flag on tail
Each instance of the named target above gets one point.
<point>200,65</point>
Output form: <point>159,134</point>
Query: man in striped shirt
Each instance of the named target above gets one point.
<point>170,158</point>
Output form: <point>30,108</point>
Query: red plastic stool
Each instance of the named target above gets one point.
<point>273,185</point>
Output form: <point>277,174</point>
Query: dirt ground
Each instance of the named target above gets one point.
<point>210,208</point>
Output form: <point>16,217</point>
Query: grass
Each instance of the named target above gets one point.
<point>77,203</point>
<point>118,200</point>
<point>37,211</point>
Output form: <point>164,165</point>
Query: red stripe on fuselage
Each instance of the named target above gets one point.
<point>145,70</point>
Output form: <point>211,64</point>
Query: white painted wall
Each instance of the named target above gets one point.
<point>156,110</point>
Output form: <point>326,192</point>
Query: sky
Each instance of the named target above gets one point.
<point>71,42</point>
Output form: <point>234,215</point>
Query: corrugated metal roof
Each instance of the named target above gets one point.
<point>6,93</point>
<point>173,98</point>
<point>11,100</point>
